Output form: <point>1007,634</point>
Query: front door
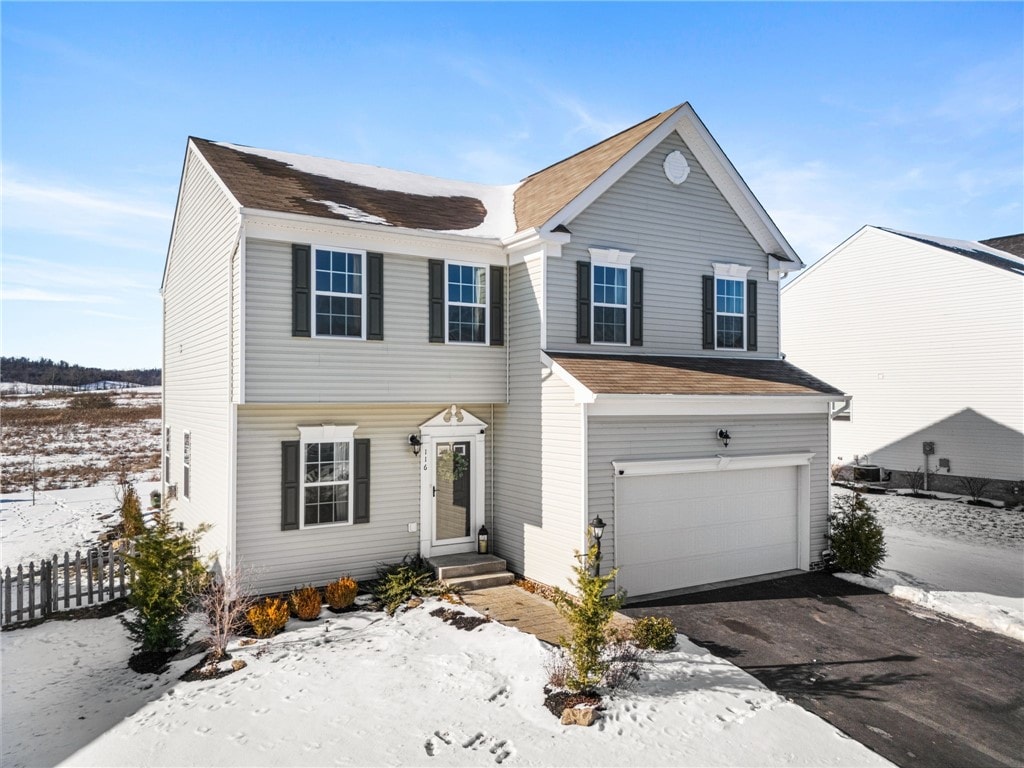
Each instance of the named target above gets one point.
<point>453,497</point>
<point>453,475</point>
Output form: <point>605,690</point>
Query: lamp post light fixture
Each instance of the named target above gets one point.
<point>597,527</point>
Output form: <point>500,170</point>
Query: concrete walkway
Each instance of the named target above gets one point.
<point>525,611</point>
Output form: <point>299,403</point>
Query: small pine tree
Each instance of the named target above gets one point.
<point>857,538</point>
<point>588,614</point>
<point>166,575</point>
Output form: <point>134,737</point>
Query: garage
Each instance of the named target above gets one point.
<point>680,523</point>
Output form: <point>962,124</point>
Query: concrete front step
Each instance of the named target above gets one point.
<point>448,567</point>
<point>480,581</point>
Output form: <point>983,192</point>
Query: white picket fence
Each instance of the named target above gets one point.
<point>32,592</point>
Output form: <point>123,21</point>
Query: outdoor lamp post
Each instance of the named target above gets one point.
<point>597,531</point>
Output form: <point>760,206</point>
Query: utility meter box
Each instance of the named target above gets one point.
<point>928,448</point>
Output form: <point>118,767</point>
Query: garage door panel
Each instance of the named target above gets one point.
<point>675,531</point>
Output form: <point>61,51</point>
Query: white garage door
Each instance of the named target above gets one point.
<point>680,530</point>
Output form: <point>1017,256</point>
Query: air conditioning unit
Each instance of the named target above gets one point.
<point>867,473</point>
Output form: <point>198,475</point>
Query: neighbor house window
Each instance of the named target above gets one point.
<point>167,454</point>
<point>186,461</point>
<point>339,285</point>
<point>327,475</point>
<point>611,304</point>
<point>467,303</point>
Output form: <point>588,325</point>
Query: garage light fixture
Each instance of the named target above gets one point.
<point>724,436</point>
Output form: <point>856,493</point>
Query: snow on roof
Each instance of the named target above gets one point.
<point>375,195</point>
<point>969,248</point>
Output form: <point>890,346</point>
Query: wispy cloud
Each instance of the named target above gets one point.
<point>43,280</point>
<point>588,122</point>
<point>110,218</point>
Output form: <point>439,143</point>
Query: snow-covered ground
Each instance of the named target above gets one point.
<point>954,558</point>
<point>60,521</point>
<point>364,689</point>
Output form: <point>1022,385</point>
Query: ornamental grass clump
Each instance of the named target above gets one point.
<point>654,632</point>
<point>268,616</point>
<point>856,536</point>
<point>341,593</point>
<point>305,603</point>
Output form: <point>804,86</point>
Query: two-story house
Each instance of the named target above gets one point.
<point>361,363</point>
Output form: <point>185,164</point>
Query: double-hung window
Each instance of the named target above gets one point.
<point>466,296</point>
<point>730,306</point>
<point>186,461</point>
<point>327,472</point>
<point>167,454</point>
<point>611,304</point>
<point>339,306</point>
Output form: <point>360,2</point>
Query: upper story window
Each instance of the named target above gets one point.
<point>609,299</point>
<point>327,475</point>
<point>611,316</point>
<point>466,295</point>
<point>339,288</point>
<point>167,454</point>
<point>186,464</point>
<point>730,314</point>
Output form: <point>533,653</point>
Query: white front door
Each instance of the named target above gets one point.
<point>452,482</point>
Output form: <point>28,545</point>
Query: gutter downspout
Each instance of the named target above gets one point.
<point>843,409</point>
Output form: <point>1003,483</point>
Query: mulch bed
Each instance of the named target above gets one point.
<point>458,619</point>
<point>558,701</point>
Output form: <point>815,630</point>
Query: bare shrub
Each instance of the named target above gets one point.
<point>974,487</point>
<point>223,604</point>
<point>916,480</point>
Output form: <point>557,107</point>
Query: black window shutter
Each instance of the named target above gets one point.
<point>752,315</point>
<point>361,478</point>
<point>497,306</point>
<point>436,280</point>
<point>582,302</point>
<point>375,296</point>
<point>300,290</point>
<point>709,311</point>
<point>290,470</point>
<point>636,307</point>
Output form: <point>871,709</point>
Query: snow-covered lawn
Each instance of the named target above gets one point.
<point>954,558</point>
<point>60,521</point>
<point>364,689</point>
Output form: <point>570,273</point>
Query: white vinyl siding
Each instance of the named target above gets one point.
<point>677,234</point>
<point>198,343</point>
<point>612,438</point>
<point>402,368</point>
<point>927,342</point>
<point>319,554</point>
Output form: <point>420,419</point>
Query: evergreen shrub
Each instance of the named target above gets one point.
<point>268,616</point>
<point>857,538</point>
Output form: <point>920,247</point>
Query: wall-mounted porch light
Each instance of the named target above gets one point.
<point>415,442</point>
<point>724,436</point>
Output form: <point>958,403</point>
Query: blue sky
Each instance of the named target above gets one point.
<point>837,115</point>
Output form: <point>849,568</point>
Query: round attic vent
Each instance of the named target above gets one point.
<point>676,167</point>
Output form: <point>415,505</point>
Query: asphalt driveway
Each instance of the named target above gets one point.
<point>919,689</point>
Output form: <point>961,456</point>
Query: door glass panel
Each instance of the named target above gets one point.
<point>452,497</point>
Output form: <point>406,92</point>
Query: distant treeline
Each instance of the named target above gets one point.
<point>61,373</point>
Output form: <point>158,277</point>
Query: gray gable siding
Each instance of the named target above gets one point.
<point>677,233</point>
<point>403,368</point>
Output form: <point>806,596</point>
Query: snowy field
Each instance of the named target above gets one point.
<point>363,689</point>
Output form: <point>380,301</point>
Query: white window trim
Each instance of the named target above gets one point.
<point>314,292</point>
<point>619,260</point>
<point>167,454</point>
<point>735,273</point>
<point>486,303</point>
<point>186,464</point>
<point>326,433</point>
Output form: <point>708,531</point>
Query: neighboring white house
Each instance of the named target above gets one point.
<point>362,363</point>
<point>927,335</point>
